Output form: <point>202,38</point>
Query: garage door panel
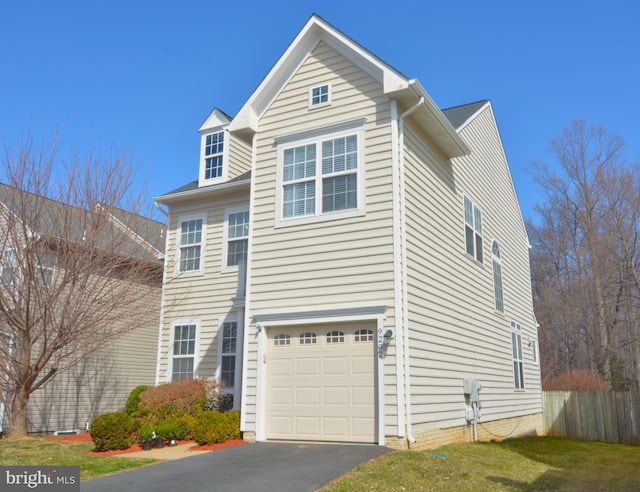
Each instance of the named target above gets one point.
<point>281,396</point>
<point>362,365</point>
<point>335,396</point>
<point>307,367</point>
<point>307,395</point>
<point>281,367</point>
<point>362,396</point>
<point>335,366</point>
<point>307,426</point>
<point>323,391</point>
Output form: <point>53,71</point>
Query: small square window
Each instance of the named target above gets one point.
<point>319,96</point>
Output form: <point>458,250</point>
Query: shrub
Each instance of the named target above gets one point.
<point>111,431</point>
<point>175,427</point>
<point>577,380</point>
<point>133,402</point>
<point>215,427</point>
<point>183,396</point>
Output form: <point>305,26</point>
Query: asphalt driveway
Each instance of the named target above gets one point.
<point>254,467</point>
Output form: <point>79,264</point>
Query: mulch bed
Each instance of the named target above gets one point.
<point>86,437</point>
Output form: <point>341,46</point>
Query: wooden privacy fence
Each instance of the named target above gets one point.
<point>608,416</point>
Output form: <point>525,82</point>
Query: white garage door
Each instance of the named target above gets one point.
<point>321,383</point>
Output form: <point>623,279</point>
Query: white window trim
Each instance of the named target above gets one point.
<point>322,104</point>
<point>203,242</point>
<point>317,136</point>
<point>196,351</point>
<point>225,240</point>
<point>535,351</point>
<point>225,157</point>
<point>517,329</point>
<point>235,391</point>
<point>474,205</point>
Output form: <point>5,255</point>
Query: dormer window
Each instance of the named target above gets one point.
<point>213,153</point>
<point>214,148</point>
<point>319,96</point>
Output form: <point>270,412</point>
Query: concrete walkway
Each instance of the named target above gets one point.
<point>263,466</point>
<point>167,452</point>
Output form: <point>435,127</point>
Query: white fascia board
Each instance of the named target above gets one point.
<point>453,143</point>
<point>203,192</point>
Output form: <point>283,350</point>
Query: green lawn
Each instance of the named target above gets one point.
<point>44,452</point>
<point>528,464</point>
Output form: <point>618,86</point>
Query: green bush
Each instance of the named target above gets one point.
<point>215,427</point>
<point>133,402</point>
<point>111,431</point>
<point>175,427</point>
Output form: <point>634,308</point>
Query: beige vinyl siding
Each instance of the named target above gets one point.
<point>99,384</point>
<point>239,156</point>
<point>333,264</point>
<point>455,330</point>
<point>206,298</point>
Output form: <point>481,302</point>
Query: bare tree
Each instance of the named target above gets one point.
<point>586,256</point>
<point>75,270</point>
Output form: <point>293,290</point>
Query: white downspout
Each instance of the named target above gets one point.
<point>162,295</point>
<point>397,271</point>
<point>405,303</point>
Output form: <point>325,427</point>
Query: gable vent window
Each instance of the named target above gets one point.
<point>319,96</point>
<point>308,338</point>
<point>335,337</point>
<point>213,151</point>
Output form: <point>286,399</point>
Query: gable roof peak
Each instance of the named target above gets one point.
<point>315,30</point>
<point>216,118</point>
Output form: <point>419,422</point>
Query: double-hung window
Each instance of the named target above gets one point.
<point>227,362</point>
<point>213,155</point>
<point>320,177</point>
<point>237,240</point>
<point>184,351</point>
<point>497,277</point>
<point>516,349</point>
<point>473,229</point>
<point>8,267</point>
<point>191,236</point>
<point>45,268</point>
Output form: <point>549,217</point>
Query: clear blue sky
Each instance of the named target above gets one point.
<point>145,75</point>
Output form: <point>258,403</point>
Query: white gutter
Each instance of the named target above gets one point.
<point>403,243</point>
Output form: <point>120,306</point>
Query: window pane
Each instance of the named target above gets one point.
<point>469,241</point>
<point>479,255</point>
<point>299,162</point>
<point>339,154</point>
<point>182,368</point>
<point>228,370</point>
<point>213,167</point>
<point>299,199</point>
<point>339,193</point>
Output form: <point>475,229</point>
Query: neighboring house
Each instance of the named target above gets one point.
<point>351,259</point>
<point>102,381</point>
